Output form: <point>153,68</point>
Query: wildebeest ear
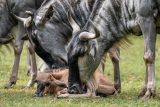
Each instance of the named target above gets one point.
<point>73,24</point>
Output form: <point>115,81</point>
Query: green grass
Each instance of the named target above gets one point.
<point>132,76</point>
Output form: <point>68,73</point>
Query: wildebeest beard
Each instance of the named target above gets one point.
<point>54,34</point>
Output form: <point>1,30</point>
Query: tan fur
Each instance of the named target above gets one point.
<point>55,81</point>
<point>59,82</point>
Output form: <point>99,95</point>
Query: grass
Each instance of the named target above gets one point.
<point>132,76</point>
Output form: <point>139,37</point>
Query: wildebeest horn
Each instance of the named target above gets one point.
<point>87,35</point>
<point>29,13</point>
<point>74,25</point>
<point>26,21</point>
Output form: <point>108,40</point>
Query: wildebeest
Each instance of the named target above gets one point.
<point>51,33</point>
<point>110,22</point>
<point>55,82</point>
<point>7,22</point>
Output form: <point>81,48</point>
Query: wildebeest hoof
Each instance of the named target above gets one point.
<point>147,94</point>
<point>118,88</point>
<point>9,85</point>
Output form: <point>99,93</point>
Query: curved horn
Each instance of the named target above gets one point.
<point>84,36</point>
<point>26,21</point>
<point>73,24</point>
<point>29,13</point>
<point>95,29</point>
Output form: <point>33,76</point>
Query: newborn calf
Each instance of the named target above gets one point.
<point>56,82</point>
<point>53,82</point>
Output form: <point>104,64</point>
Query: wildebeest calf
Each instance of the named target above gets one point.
<point>56,82</point>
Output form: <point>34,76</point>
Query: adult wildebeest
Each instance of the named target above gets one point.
<point>114,19</point>
<point>7,22</point>
<point>51,33</point>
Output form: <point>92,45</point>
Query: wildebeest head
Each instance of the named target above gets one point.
<point>84,48</point>
<point>53,35</point>
<point>6,20</point>
<point>48,84</point>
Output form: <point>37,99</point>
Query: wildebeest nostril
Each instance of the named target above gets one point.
<point>75,89</point>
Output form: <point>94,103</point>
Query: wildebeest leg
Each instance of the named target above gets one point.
<point>114,54</point>
<point>28,63</point>
<point>18,46</point>
<point>33,71</point>
<point>148,28</point>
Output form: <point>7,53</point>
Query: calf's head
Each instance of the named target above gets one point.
<point>48,84</point>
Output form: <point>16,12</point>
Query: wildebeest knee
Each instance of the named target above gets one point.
<point>17,49</point>
<point>114,53</point>
<point>149,57</point>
